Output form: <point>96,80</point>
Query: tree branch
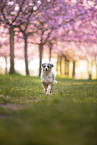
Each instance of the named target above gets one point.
<point>19,11</point>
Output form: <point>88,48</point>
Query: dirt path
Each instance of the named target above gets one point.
<point>12,106</point>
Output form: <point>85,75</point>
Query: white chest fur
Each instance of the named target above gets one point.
<point>47,77</point>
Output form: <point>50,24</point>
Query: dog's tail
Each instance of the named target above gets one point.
<point>55,81</point>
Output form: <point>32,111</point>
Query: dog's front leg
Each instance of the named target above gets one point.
<point>49,89</point>
<point>44,87</point>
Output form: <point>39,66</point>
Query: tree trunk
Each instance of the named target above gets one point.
<point>60,65</point>
<point>73,73</point>
<point>40,56</point>
<point>50,49</point>
<point>66,67</point>
<point>12,71</point>
<point>96,65</point>
<point>5,65</point>
<point>96,71</point>
<point>57,68</point>
<point>26,57</point>
<point>90,69</point>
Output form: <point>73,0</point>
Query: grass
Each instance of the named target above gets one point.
<point>29,117</point>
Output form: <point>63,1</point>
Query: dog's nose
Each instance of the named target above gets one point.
<point>46,69</point>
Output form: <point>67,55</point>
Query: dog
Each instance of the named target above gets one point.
<point>47,77</point>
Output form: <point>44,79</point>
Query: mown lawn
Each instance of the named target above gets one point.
<point>29,117</point>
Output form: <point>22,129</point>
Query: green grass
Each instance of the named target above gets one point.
<point>29,117</point>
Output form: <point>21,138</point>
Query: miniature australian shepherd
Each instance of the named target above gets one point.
<point>47,77</point>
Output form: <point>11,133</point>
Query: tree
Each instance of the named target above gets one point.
<point>4,48</point>
<point>45,22</point>
<point>77,29</point>
<point>26,28</point>
<point>15,14</point>
<point>9,11</point>
<point>44,19</point>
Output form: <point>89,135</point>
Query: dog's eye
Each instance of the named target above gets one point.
<point>48,66</point>
<point>44,66</point>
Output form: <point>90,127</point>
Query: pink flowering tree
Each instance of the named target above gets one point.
<point>9,12</point>
<point>43,19</point>
<point>13,14</point>
<point>43,24</point>
<point>27,28</point>
<point>53,16</point>
<point>78,28</point>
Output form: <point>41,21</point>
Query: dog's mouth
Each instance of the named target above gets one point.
<point>46,70</point>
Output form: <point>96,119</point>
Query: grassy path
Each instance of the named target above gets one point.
<point>29,117</point>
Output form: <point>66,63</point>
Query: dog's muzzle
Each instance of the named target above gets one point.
<point>46,69</point>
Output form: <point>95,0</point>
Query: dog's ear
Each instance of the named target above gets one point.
<point>43,64</point>
<point>52,65</point>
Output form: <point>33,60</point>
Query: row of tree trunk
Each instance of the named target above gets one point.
<point>62,59</point>
<point>63,66</point>
<point>12,70</point>
<point>12,34</point>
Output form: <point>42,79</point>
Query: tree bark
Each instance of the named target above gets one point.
<point>66,67</point>
<point>60,65</point>
<point>26,56</point>
<point>12,71</point>
<point>5,65</point>
<point>40,57</point>
<point>96,71</point>
<point>73,73</point>
<point>50,49</point>
<point>90,69</point>
<point>96,65</point>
